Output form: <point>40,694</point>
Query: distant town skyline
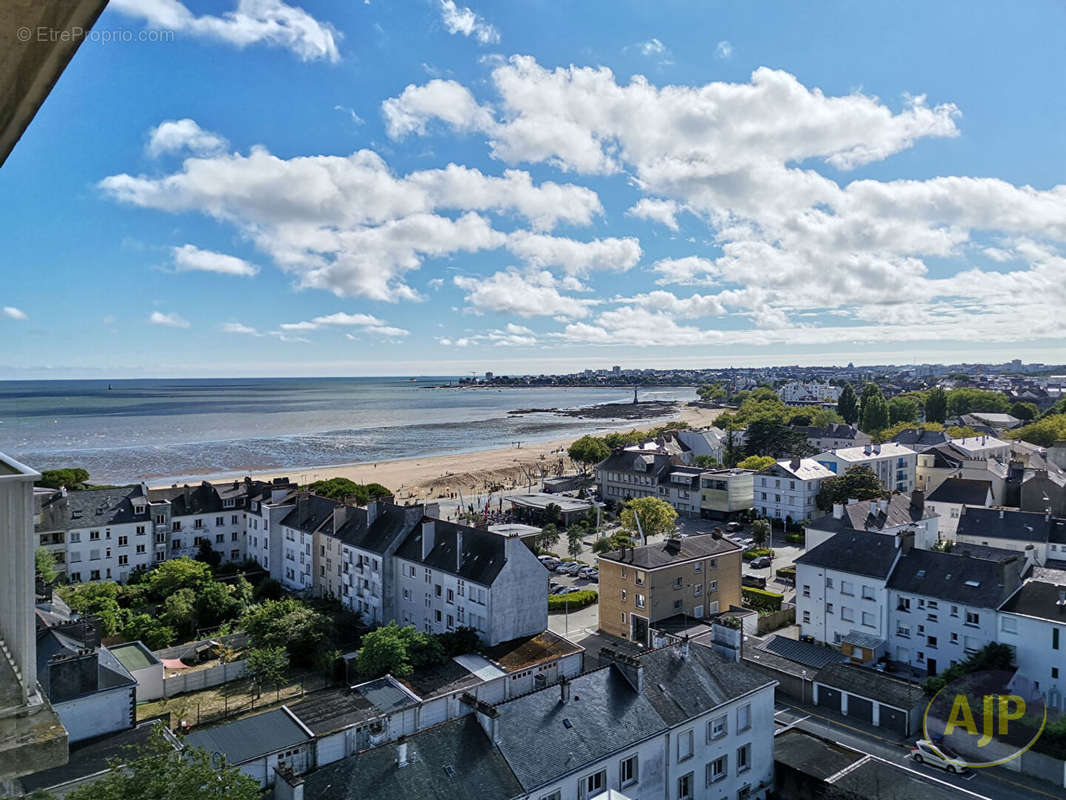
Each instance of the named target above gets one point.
<point>431,188</point>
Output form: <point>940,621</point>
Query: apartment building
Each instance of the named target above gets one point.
<point>833,437</point>
<point>697,576</point>
<point>788,489</point>
<point>802,393</point>
<point>632,472</point>
<point>675,723</point>
<point>1041,537</point>
<point>724,493</point>
<point>1033,624</point>
<point>898,513</point>
<point>894,464</point>
<point>953,495</point>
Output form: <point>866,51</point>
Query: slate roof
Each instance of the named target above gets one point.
<point>441,679</point>
<point>956,578</point>
<point>835,431</point>
<point>995,523</point>
<point>808,654</point>
<point>483,552</point>
<point>672,551</point>
<point>961,490</point>
<point>634,461</point>
<point>452,761</point>
<point>856,552</point>
<point>110,672</point>
<point>391,523</point>
<point>333,710</point>
<point>89,509</point>
<point>866,515</point>
<point>918,438</point>
<point>808,469</point>
<point>812,755</point>
<point>872,684</point>
<point>311,513</point>
<point>249,738</point>
<point>1038,599</point>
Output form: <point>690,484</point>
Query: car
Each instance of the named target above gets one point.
<point>571,567</point>
<point>760,562</point>
<point>938,755</point>
<point>562,566</point>
<point>586,572</point>
<point>561,590</point>
<point>755,581</point>
<point>733,527</point>
<point>571,590</point>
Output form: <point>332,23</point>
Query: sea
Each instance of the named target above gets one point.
<point>127,430</point>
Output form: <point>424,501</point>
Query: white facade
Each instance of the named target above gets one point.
<point>980,447</point>
<point>932,634</point>
<point>809,393</point>
<point>1039,646</point>
<point>831,603</point>
<point>297,559</point>
<point>788,489</point>
<point>894,464</point>
<point>97,713</point>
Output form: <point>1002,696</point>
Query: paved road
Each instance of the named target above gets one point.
<point>994,783</point>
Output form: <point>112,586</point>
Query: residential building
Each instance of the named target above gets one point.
<point>952,496</point>
<point>1043,490</point>
<point>1033,623</point>
<point>972,448</point>
<point>681,487</point>
<point>919,440</point>
<point>724,493</point>
<point>789,488</point>
<point>309,515</point>
<point>833,437</point>
<point>893,515</point>
<point>1041,536</point>
<point>799,393</point>
<point>998,422</point>
<point>449,576</point>
<point>841,585</point>
<point>710,442</point>
<point>697,576</point>
<point>679,722</point>
<point>630,473</point>
<point>893,463</point>
<point>942,606</point>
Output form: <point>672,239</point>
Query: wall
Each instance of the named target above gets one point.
<point>1033,653</point>
<point>149,682</point>
<point>203,678</point>
<point>651,773</point>
<point>937,621</point>
<point>777,619</point>
<point>98,713</point>
<point>831,627</point>
<point>518,599</point>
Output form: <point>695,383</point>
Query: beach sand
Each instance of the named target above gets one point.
<point>484,470</point>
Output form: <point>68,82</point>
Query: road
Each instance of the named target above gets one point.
<point>993,783</point>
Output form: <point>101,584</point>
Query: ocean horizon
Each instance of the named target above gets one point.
<point>126,430</point>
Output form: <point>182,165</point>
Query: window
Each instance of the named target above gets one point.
<point>677,583</point>
<point>140,530</point>
<point>973,618</point>
<point>176,526</point>
<point>1054,638</point>
<point>697,567</point>
<point>697,590</point>
<point>640,601</point>
<point>123,560</point>
<point>828,583</point>
<point>743,717</point>
<point>75,577</point>
<point>684,745</point>
<point>140,548</point>
<point>94,536</point>
<point>234,555</point>
<point>847,614</point>
<point>220,538</point>
<point>743,758</point>
<point>806,617</point>
<point>436,615</point>
<point>717,770</point>
<point>1054,672</point>
<point>847,588</point>
<point>123,541</point>
<point>684,787</point>
<point>717,728</point>
<point>220,521</point>
<point>867,592</point>
<point>712,586</point>
<point>930,641</point>
<point>627,773</point>
<point>94,575</point>
<point>954,611</point>
<point>1008,624</point>
<point>197,523</point>
<point>954,638</point>
<point>868,619</point>
<point>903,631</point>
<point>233,519</point>
<point>806,590</point>
<point>592,785</point>
<point>623,595</point>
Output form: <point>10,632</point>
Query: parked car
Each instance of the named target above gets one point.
<point>571,567</point>
<point>561,589</point>
<point>586,572</point>
<point>733,527</point>
<point>760,562</point>
<point>570,590</point>
<point>939,755</point>
<point>755,581</point>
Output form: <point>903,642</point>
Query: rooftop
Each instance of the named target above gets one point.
<point>866,453</point>
<point>519,654</point>
<point>672,551</point>
<point>855,552</point>
<point>541,500</point>
<point>961,490</point>
<point>870,683</point>
<point>483,553</point>
<point>958,578</point>
<point>248,738</point>
<point>805,469</point>
<point>998,523</point>
<point>808,654</point>
<point>1040,599</point>
<point>134,655</point>
<point>873,515</point>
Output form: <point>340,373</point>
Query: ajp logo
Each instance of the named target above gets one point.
<point>987,718</point>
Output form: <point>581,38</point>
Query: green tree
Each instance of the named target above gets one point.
<point>207,554</point>
<point>757,462</point>
<point>156,771</point>
<point>774,439</point>
<point>552,514</point>
<point>967,401</point>
<point>549,537</point>
<point>287,623</point>
<point>215,604</point>
<point>71,477</point>
<point>657,517</point>
<point>1044,432</point>
<point>1024,411</point>
<point>178,573</point>
<point>706,462</point>
<point>824,417</point>
<point>267,667</point>
<point>344,489</point>
<point>874,415</point>
<point>711,393</point>
<point>397,651</point>
<point>848,405</point>
<point>179,611</point>
<point>760,532</point>
<point>588,450</point>
<point>153,631</point>
<point>936,405</point>
<point>100,599</point>
<point>858,483</point>
<point>574,535</point>
<point>45,566</point>
<point>902,408</point>
<point>243,593</point>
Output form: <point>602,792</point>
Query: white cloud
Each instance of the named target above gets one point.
<point>366,322</point>
<point>15,313</point>
<point>172,320</point>
<point>510,336</point>
<point>723,50</point>
<point>652,47</point>
<point>355,118</point>
<point>526,294</point>
<point>572,256</point>
<point>448,101</point>
<point>175,135</point>
<point>460,19</point>
<point>270,22</point>
<point>189,258</point>
<point>661,211</point>
<point>687,270</point>
<point>435,283</point>
<point>237,327</point>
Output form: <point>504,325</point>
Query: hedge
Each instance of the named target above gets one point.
<point>794,538</point>
<point>761,600</point>
<point>756,552</point>
<point>787,573</point>
<point>572,601</point>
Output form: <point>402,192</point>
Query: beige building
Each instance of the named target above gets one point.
<point>726,492</point>
<point>697,576</point>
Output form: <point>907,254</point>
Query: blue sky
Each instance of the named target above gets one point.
<point>433,187</point>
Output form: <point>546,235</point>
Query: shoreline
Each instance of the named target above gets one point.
<point>430,477</point>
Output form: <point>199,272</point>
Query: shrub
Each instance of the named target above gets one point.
<point>794,538</point>
<point>762,600</point>
<point>787,573</point>
<point>572,601</point>
<point>755,552</point>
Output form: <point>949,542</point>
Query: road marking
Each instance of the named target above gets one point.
<point>931,778</point>
<point>1023,786</point>
<point>810,715</point>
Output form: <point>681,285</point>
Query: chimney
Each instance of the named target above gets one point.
<point>1001,513</point>
<point>429,536</point>
<point>187,493</point>
<point>401,752</point>
<point>340,514</point>
<point>564,690</point>
<point>905,541</point>
<point>794,464</point>
<point>631,668</point>
<point>866,450</point>
<point>852,501</point>
<point>73,674</point>
<point>682,649</point>
<point>1010,574</point>
<point>289,785</point>
<point>838,510</point>
<point>458,550</point>
<point>373,511</point>
<point>62,491</point>
<point>918,498</point>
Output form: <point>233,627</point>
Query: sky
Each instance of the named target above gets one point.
<point>260,187</point>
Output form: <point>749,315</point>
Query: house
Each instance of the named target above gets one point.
<point>952,496</point>
<point>1043,490</point>
<point>898,513</point>
<point>448,576</point>
<point>710,443</point>
<point>799,393</point>
<point>893,463</point>
<point>972,448</point>
<point>789,488</point>
<point>841,585</point>
<point>639,586</point>
<point>1033,623</point>
<point>941,462</point>
<point>919,440</point>
<point>145,668</point>
<point>630,473</point>
<point>942,606</point>
<point>681,487</point>
<point>1041,536</point>
<point>724,493</point>
<point>259,744</point>
<point>833,437</point>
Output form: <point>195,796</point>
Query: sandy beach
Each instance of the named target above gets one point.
<point>480,471</point>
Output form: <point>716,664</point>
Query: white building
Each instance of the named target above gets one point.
<point>1040,536</point>
<point>1033,623</point>
<point>788,489</point>
<point>813,393</point>
<point>890,516</point>
<point>893,464</point>
<point>955,494</point>
<point>973,448</point>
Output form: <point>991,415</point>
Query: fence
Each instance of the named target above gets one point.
<point>234,640</point>
<point>195,680</point>
<point>222,705</point>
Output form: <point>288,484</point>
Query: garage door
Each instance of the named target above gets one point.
<point>894,720</point>
<point>860,708</point>
<point>828,698</point>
